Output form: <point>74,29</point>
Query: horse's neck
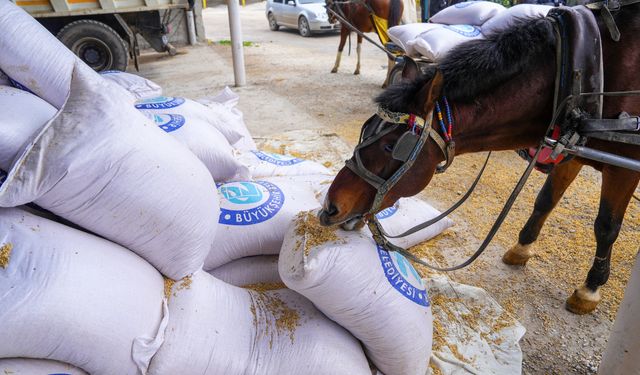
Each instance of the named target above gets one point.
<point>513,116</point>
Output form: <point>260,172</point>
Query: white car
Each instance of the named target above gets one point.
<point>308,16</point>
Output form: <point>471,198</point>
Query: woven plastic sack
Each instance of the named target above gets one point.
<point>110,170</point>
<point>512,15</point>
<point>73,297</point>
<point>267,164</point>
<point>189,109</point>
<point>31,366</point>
<point>376,295</point>
<point>401,35</point>
<point>139,87</point>
<point>225,105</point>
<point>206,142</point>
<point>249,270</point>
<point>216,328</point>
<point>254,216</point>
<point>469,13</point>
<point>33,58</point>
<point>436,43</point>
<point>21,116</point>
<point>406,214</point>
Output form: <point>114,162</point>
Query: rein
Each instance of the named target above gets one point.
<point>409,146</point>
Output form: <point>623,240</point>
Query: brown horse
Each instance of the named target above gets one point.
<point>501,94</point>
<point>359,13</point>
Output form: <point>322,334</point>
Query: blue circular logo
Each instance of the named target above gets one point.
<point>388,212</point>
<point>464,30</point>
<point>160,102</point>
<point>3,176</point>
<point>249,202</point>
<point>277,159</point>
<point>403,277</point>
<point>169,123</point>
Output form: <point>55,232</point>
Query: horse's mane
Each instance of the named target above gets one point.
<point>479,66</point>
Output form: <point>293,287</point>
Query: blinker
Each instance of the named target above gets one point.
<point>404,146</point>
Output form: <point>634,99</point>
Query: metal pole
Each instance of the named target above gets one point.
<point>191,27</point>
<point>237,53</point>
<point>623,349</point>
<point>605,157</point>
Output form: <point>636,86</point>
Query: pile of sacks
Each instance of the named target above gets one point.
<point>460,23</point>
<point>142,233</point>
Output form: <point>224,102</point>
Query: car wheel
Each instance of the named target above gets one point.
<point>395,75</point>
<point>96,44</point>
<point>303,27</point>
<point>273,25</point>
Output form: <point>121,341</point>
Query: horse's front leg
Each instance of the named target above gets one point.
<point>358,50</point>
<point>554,187</point>
<point>344,33</point>
<point>618,186</point>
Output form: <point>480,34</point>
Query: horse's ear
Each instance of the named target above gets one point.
<point>433,92</point>
<point>410,72</point>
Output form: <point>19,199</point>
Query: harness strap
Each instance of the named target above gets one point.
<point>622,123</point>
<point>443,214</point>
<point>628,138</point>
<point>374,226</point>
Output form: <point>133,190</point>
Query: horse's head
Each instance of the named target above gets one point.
<point>384,148</point>
<point>329,4</point>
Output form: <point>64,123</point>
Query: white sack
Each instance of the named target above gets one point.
<point>377,296</point>
<point>436,43</point>
<point>206,142</point>
<point>225,105</point>
<point>190,110</point>
<point>403,34</point>
<point>470,13</point>
<point>510,16</point>
<point>254,216</point>
<point>31,366</point>
<point>406,214</point>
<point>21,116</point>
<point>257,269</point>
<point>216,328</point>
<point>473,324</point>
<point>110,170</point>
<point>139,87</point>
<point>76,298</point>
<point>33,57</point>
<point>267,164</point>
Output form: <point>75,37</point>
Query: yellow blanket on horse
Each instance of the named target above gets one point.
<point>381,26</point>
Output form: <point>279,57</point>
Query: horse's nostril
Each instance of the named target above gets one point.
<point>331,209</point>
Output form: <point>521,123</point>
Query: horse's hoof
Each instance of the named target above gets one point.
<point>583,301</point>
<point>356,72</point>
<point>517,255</point>
<point>334,70</point>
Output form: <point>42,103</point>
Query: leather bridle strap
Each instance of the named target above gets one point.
<point>374,226</point>
<point>444,214</point>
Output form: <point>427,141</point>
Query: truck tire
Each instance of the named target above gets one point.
<point>96,44</point>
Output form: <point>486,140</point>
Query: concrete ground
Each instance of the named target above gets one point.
<point>290,90</point>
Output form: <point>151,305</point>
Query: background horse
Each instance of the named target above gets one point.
<point>501,93</point>
<point>360,14</point>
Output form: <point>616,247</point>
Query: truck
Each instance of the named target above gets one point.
<point>106,34</point>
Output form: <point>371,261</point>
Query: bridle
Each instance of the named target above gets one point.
<point>406,150</point>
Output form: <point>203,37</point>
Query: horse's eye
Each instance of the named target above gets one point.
<point>389,147</point>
